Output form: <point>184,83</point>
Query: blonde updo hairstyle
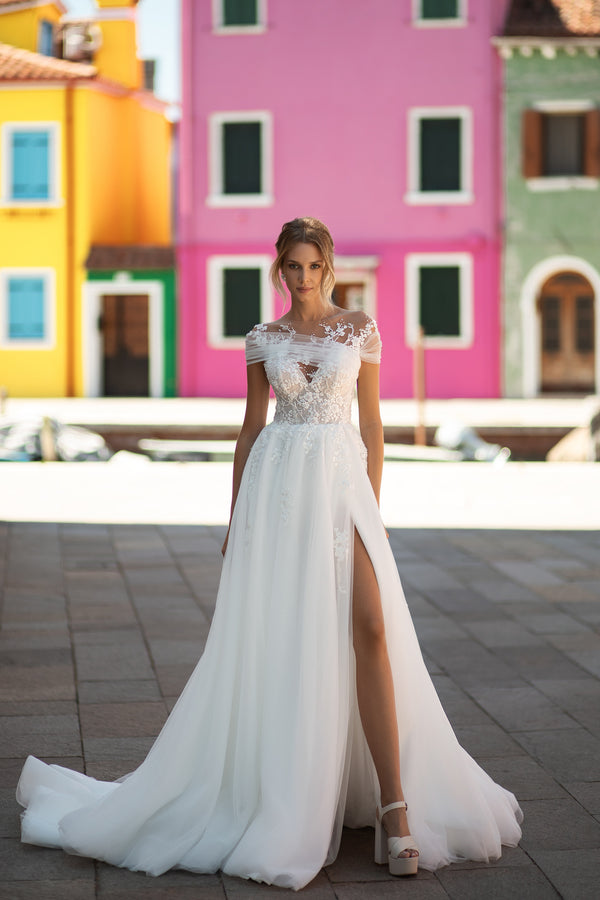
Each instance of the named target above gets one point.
<point>305,231</point>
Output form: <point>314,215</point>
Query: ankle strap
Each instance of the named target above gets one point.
<point>400,804</point>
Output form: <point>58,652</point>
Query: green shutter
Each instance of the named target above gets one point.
<point>439,300</point>
<point>242,158</point>
<point>440,155</point>
<point>439,9</point>
<point>241,301</point>
<point>26,309</point>
<point>30,165</point>
<point>240,12</point>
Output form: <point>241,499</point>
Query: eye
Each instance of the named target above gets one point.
<point>315,265</point>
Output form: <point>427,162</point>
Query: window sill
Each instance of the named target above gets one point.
<point>25,344</point>
<point>439,198</point>
<point>31,205</point>
<point>224,30</point>
<point>562,183</point>
<point>441,343</point>
<point>227,343</point>
<point>440,23</point>
<point>236,200</point>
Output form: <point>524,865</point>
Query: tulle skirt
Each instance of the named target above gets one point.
<point>263,758</point>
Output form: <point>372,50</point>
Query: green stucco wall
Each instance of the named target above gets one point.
<point>540,225</point>
<point>168,279</point>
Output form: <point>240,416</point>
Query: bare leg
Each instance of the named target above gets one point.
<point>375,688</point>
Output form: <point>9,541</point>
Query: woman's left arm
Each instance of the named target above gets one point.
<point>369,416</point>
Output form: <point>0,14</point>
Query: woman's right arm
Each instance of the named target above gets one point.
<point>257,402</point>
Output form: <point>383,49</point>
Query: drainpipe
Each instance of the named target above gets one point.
<point>70,307</point>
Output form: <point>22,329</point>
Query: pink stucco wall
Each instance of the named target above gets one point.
<point>339,79</point>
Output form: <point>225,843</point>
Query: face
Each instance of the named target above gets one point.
<point>303,271</point>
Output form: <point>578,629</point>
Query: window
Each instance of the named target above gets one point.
<point>239,16</point>
<point>439,13</point>
<point>584,324</point>
<point>240,154</point>
<point>30,176</point>
<point>439,156</point>
<point>561,145</point>
<point>439,298</point>
<point>239,296</point>
<point>27,299</point>
<point>46,38</point>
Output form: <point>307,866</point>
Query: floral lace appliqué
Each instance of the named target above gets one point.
<point>341,544</point>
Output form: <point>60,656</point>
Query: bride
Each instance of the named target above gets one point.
<point>311,698</point>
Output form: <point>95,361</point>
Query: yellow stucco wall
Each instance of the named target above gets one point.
<point>119,188</point>
<point>21,28</point>
<point>117,59</point>
<point>114,188</point>
<point>34,236</point>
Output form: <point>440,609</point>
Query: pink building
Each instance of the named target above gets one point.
<point>381,119</point>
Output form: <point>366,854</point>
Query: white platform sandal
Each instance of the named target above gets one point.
<point>390,854</point>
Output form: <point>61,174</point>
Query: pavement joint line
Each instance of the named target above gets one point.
<point>548,775</point>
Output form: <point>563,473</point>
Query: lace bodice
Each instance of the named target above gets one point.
<point>313,376</point>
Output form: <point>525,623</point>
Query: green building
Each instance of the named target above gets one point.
<point>551,267</point>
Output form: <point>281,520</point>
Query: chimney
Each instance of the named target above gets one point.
<point>117,57</point>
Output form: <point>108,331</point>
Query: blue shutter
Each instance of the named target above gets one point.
<point>26,309</point>
<point>30,165</point>
<point>46,38</point>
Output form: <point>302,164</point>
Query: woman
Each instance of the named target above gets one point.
<point>311,690</point>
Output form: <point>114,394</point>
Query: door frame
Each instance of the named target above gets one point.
<point>349,269</point>
<point>121,284</point>
<point>531,319</point>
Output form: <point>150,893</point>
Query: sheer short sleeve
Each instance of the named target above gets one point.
<point>370,348</point>
<point>256,345</point>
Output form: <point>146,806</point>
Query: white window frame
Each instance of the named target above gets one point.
<point>55,188</point>
<point>414,196</point>
<point>215,268</point>
<point>220,28</point>
<point>216,197</point>
<point>562,182</point>
<point>48,342</point>
<point>414,263</point>
<point>459,22</point>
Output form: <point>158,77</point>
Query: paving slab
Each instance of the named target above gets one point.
<point>509,621</point>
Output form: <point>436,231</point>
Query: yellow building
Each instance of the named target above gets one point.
<point>86,266</point>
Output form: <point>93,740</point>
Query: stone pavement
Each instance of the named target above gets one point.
<point>102,624</point>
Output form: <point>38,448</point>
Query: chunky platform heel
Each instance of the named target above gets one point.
<point>389,852</point>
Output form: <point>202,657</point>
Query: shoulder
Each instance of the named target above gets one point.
<point>276,327</point>
<point>363,325</point>
<point>256,330</point>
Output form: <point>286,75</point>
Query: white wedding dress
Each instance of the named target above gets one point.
<point>263,759</point>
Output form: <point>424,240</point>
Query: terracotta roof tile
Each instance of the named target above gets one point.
<point>553,18</point>
<point>23,65</point>
<point>60,6</point>
<point>106,257</point>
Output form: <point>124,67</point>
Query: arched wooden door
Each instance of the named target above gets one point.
<point>567,328</point>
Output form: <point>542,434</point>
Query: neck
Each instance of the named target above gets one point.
<point>311,313</point>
